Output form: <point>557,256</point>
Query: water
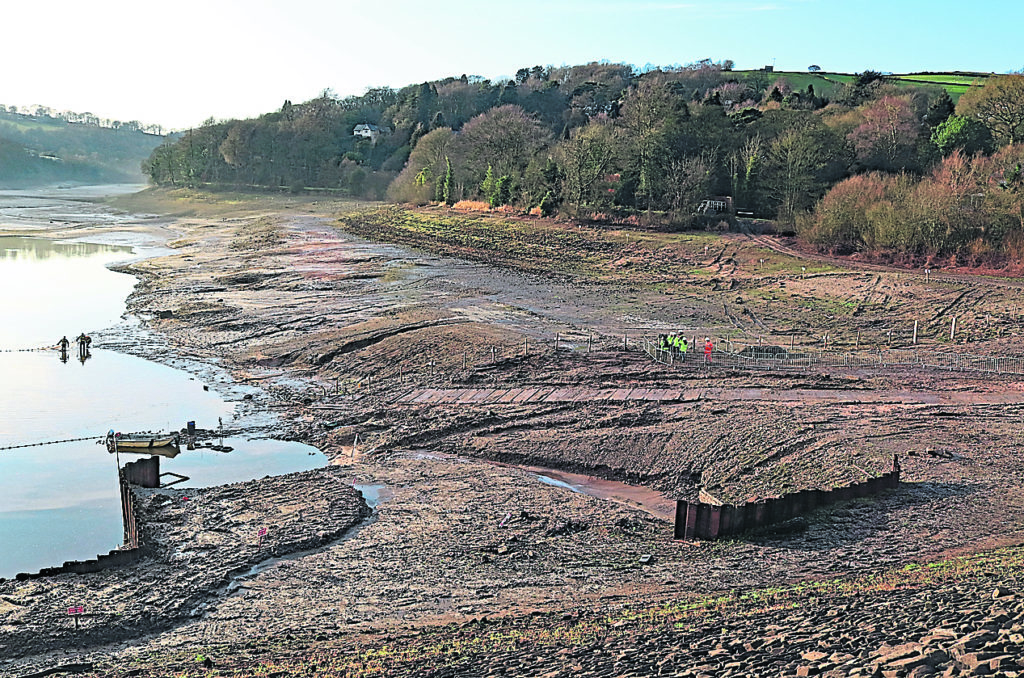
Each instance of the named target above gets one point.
<point>51,289</point>
<point>60,501</point>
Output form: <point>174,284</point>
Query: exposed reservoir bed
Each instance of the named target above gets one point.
<point>60,501</point>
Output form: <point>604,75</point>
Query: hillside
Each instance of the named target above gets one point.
<point>40,150</point>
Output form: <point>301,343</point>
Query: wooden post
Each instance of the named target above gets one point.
<point>464,355</point>
<point>889,340</point>
<point>952,331</point>
<point>915,333</point>
<point>590,343</point>
<point>493,354</point>
<point>526,346</point>
<point>625,342</point>
<point>858,339</point>
<point>792,341</point>
<point>557,336</point>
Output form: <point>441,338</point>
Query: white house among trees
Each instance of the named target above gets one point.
<point>367,131</point>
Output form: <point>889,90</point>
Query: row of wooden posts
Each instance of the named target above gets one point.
<point>828,337</point>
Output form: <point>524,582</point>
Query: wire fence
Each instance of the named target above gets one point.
<point>50,442</point>
<point>768,358</point>
<point>29,350</point>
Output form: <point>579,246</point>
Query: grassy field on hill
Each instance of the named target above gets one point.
<point>956,83</point>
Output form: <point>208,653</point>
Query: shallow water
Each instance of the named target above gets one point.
<point>60,501</point>
<point>52,289</point>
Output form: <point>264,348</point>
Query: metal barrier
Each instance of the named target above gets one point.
<point>775,358</point>
<point>703,520</point>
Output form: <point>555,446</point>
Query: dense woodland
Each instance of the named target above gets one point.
<point>855,164</point>
<point>37,148</point>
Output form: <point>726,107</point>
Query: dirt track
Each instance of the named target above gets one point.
<point>337,330</point>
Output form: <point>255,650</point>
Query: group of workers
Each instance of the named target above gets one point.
<point>676,343</point>
<point>83,340</point>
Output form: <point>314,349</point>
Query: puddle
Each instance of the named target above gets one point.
<point>635,496</point>
<point>374,494</point>
<point>559,483</point>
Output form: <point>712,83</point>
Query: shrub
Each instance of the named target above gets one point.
<point>472,206</point>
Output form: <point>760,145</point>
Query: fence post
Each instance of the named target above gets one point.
<point>526,346</point>
<point>915,333</point>
<point>952,331</point>
<point>590,343</point>
<point>557,336</point>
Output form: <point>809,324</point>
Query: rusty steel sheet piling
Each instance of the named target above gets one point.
<point>705,520</point>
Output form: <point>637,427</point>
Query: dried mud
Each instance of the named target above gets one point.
<point>334,331</point>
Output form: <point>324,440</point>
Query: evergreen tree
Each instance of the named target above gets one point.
<point>488,187</point>
<point>939,109</point>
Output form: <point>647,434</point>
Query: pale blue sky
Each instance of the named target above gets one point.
<point>178,63</point>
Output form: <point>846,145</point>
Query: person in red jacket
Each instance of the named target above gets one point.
<point>708,348</point>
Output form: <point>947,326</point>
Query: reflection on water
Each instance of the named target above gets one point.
<point>60,501</point>
<point>51,290</point>
<point>36,249</point>
<point>56,401</point>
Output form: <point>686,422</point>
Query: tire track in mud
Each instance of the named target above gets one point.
<point>359,344</point>
<point>867,296</point>
<point>733,319</point>
<point>757,320</point>
<point>849,264</point>
<point>941,312</point>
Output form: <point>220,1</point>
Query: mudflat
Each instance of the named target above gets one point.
<point>449,361</point>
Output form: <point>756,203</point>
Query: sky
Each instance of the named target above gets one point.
<point>177,63</point>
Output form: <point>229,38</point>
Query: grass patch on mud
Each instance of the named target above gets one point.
<point>187,202</point>
<point>258,234</point>
<point>553,247</point>
<point>450,645</point>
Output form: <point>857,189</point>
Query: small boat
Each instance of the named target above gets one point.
<point>140,442</point>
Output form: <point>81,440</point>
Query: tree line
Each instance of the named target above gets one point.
<point>38,150</point>
<point>89,119</point>
<point>961,205</point>
<point>607,138</point>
